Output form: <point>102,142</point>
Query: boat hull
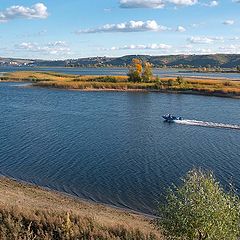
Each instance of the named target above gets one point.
<point>171,118</point>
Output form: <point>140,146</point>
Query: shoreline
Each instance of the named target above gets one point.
<point>24,198</point>
<point>203,77</point>
<point>76,198</point>
<point>187,92</point>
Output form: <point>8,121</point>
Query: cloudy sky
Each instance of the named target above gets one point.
<point>78,28</point>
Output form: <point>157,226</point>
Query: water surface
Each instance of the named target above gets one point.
<point>113,147</point>
<point>121,72</point>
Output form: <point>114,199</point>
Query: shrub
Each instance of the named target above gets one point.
<point>180,80</point>
<point>200,209</point>
<point>170,82</point>
<point>227,83</point>
<point>158,85</point>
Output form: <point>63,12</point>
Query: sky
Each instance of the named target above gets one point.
<point>66,29</point>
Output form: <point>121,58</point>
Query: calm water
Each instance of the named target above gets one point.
<point>121,71</point>
<point>113,147</point>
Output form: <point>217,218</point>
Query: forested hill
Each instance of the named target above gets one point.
<point>216,60</point>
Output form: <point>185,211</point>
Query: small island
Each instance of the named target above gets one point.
<point>183,85</point>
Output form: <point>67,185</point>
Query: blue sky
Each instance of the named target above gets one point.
<point>77,28</point>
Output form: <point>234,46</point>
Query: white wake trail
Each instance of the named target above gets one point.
<point>207,124</point>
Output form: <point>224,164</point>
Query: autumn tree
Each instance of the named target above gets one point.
<point>200,209</point>
<point>135,71</point>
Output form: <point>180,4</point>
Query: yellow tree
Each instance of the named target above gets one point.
<point>135,70</point>
<point>147,72</point>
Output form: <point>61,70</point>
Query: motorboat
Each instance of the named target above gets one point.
<point>171,118</point>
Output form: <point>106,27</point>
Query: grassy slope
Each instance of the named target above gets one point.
<point>189,85</point>
<point>28,211</point>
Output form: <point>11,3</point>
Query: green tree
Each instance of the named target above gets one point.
<point>180,80</point>
<point>147,72</point>
<point>135,71</point>
<point>170,82</point>
<point>200,209</point>
<point>157,79</point>
<point>238,68</point>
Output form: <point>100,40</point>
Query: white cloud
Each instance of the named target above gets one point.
<point>131,26</point>
<point>203,51</point>
<point>181,29</point>
<point>107,9</point>
<point>183,2</point>
<point>54,48</point>
<point>163,49</point>
<point>225,49</point>
<point>211,4</point>
<point>204,40</point>
<point>234,38</point>
<point>38,10</point>
<point>142,3</point>
<point>153,46</point>
<point>200,40</point>
<point>195,25</point>
<point>57,44</point>
<point>229,22</point>
<point>154,3</point>
<point>27,46</point>
<point>230,49</point>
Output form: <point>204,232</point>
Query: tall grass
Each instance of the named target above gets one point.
<point>30,212</point>
<point>45,225</point>
<point>66,81</point>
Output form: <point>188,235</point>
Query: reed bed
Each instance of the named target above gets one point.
<point>215,87</point>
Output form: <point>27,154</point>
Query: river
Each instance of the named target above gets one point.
<point>113,147</point>
<point>122,72</point>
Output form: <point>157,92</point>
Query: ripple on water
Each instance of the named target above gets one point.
<point>113,147</point>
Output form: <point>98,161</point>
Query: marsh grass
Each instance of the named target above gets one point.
<point>121,83</point>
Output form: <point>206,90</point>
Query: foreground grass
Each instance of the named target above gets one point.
<point>29,212</point>
<point>213,87</point>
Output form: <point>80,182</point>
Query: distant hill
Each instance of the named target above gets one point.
<point>215,60</point>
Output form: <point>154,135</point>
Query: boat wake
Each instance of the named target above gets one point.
<point>207,124</point>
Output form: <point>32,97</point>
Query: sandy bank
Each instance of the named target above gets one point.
<point>29,197</point>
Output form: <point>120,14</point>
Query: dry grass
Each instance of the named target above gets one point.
<point>38,76</point>
<point>88,85</point>
<point>58,77</point>
<point>30,212</point>
<point>213,87</point>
